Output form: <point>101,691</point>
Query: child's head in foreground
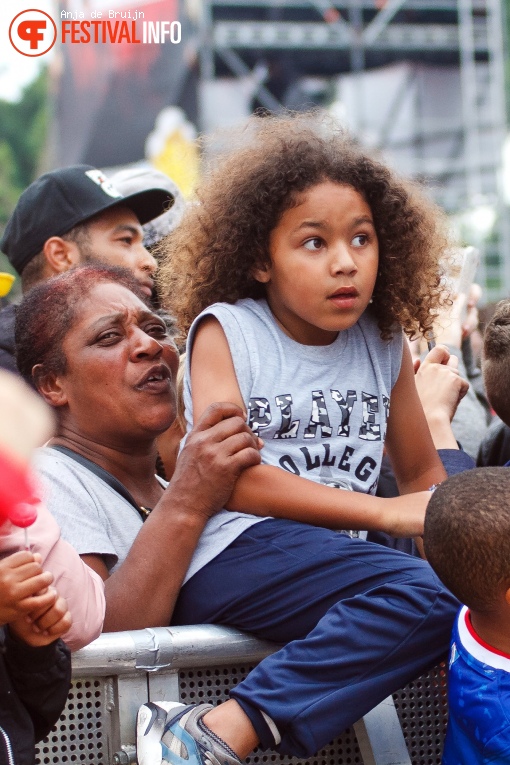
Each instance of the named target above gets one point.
<point>496,360</point>
<point>467,537</point>
<point>275,165</point>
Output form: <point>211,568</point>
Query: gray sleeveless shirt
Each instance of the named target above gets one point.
<point>320,410</point>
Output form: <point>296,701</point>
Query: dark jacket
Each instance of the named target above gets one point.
<point>7,359</point>
<point>495,447</point>
<point>34,683</point>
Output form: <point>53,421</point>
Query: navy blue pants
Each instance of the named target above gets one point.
<point>359,620</point>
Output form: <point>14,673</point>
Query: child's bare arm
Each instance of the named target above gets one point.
<point>211,352</point>
<point>414,458</point>
<point>23,586</point>
<point>270,491</point>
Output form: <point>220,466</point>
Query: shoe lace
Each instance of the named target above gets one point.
<point>209,757</point>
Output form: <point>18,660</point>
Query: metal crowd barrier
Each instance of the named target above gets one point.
<point>121,670</point>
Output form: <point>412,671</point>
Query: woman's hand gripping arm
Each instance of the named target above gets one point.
<point>142,592</point>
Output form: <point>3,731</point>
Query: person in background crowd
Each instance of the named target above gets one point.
<point>72,216</point>
<point>495,447</point>
<point>131,180</point>
<point>26,423</point>
<point>35,666</point>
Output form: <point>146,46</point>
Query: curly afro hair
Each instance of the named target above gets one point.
<point>260,174</point>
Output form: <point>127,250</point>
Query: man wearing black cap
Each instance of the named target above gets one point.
<point>73,216</point>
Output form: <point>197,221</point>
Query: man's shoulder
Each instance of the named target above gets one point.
<point>9,311</point>
<point>8,314</point>
<point>7,345</point>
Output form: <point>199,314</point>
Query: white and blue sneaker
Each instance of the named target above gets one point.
<point>169,732</point>
<point>150,725</point>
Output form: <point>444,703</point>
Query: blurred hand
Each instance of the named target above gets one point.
<point>26,421</point>
<point>456,322</point>
<point>217,450</point>
<point>471,318</point>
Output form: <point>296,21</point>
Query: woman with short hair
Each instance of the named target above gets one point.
<point>105,362</point>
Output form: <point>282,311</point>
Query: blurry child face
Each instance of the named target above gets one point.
<point>324,259</point>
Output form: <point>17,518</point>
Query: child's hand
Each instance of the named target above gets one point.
<point>42,627</point>
<point>405,516</point>
<point>23,586</point>
<point>440,387</point>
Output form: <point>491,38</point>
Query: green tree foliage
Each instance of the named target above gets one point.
<point>9,189</point>
<point>23,131</point>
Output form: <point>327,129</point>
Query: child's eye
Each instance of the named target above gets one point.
<point>360,240</point>
<point>314,244</point>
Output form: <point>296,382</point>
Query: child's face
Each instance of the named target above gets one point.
<point>324,259</point>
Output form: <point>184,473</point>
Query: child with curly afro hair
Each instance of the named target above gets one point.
<point>313,250</point>
<point>265,171</point>
<point>295,273</point>
<point>300,264</point>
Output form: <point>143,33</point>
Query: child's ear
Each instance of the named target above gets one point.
<point>262,273</point>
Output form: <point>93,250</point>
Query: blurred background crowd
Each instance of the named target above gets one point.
<point>423,81</point>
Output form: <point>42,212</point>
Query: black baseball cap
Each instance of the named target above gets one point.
<point>57,201</point>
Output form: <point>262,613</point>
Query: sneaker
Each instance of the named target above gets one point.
<point>150,726</point>
<point>169,732</point>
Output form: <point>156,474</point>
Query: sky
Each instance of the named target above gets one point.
<point>17,70</point>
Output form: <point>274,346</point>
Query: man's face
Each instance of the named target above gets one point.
<point>114,237</point>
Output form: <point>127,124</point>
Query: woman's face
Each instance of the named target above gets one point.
<point>121,365</point>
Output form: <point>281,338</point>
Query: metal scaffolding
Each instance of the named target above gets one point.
<point>431,51</point>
